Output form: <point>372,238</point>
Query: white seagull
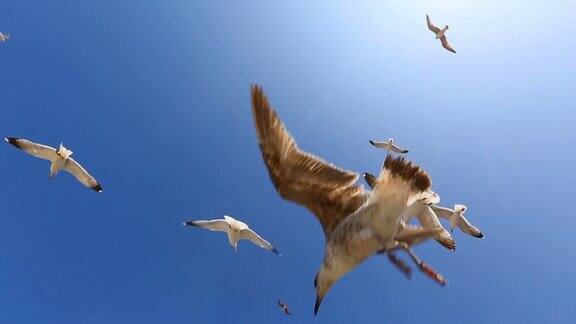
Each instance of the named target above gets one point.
<point>390,146</point>
<point>4,37</point>
<point>60,160</point>
<point>440,34</point>
<point>236,231</point>
<point>456,217</point>
<point>356,223</point>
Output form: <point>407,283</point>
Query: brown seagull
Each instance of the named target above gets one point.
<point>356,223</point>
<point>440,34</point>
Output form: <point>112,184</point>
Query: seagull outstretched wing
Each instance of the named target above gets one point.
<point>328,191</point>
<point>431,26</point>
<point>250,235</point>
<point>38,150</point>
<point>82,175</point>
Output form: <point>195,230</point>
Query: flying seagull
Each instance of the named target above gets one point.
<point>4,37</point>
<point>456,216</point>
<point>284,307</point>
<point>356,223</point>
<point>440,34</point>
<point>236,231</point>
<point>389,145</point>
<point>425,215</point>
<point>60,160</point>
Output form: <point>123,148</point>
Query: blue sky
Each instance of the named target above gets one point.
<point>153,98</point>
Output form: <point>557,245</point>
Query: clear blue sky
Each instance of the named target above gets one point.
<point>153,98</point>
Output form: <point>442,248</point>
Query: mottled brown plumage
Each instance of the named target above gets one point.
<point>328,191</point>
<point>400,167</point>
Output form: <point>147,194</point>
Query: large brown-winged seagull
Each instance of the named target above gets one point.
<point>356,223</point>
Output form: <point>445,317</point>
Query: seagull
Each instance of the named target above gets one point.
<point>389,145</point>
<point>456,217</point>
<point>60,160</point>
<point>4,37</point>
<point>356,223</point>
<point>236,231</point>
<point>284,307</point>
<point>440,34</point>
<point>425,215</point>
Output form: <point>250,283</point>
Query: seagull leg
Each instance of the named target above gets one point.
<point>400,265</point>
<point>424,267</point>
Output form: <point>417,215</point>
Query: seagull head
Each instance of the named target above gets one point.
<point>64,152</point>
<point>324,280</point>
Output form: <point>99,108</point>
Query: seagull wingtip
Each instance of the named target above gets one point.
<point>13,141</point>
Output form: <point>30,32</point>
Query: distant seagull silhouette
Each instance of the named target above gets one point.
<point>236,231</point>
<point>60,160</point>
<point>350,216</point>
<point>390,146</point>
<point>440,34</point>
<point>456,217</point>
<point>4,37</point>
<point>284,307</point>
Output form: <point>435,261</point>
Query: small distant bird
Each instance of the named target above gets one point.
<point>4,37</point>
<point>456,216</point>
<point>236,231</point>
<point>390,146</point>
<point>440,34</point>
<point>60,160</point>
<point>284,307</point>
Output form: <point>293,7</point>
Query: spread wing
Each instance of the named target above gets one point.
<point>82,175</point>
<point>446,45</point>
<point>431,26</point>
<point>325,189</point>
<point>218,225</point>
<point>428,219</point>
<point>38,150</point>
<point>399,149</point>
<point>250,235</point>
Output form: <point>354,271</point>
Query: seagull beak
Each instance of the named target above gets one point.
<point>317,304</point>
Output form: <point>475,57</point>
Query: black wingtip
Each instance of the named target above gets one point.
<point>189,223</point>
<point>479,235</point>
<point>97,188</point>
<point>13,141</point>
<point>276,252</point>
<point>372,142</point>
